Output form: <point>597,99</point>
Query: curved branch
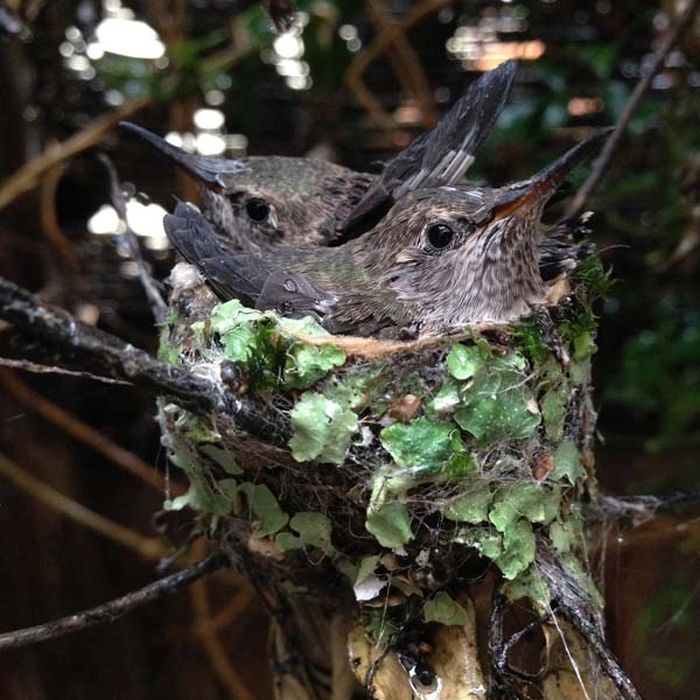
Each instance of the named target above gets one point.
<point>114,609</point>
<point>28,175</point>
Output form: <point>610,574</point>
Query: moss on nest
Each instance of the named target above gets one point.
<point>459,449</point>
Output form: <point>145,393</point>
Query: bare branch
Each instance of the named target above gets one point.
<point>114,609</point>
<point>28,175</point>
<point>146,547</point>
<point>159,308</point>
<point>34,368</point>
<point>220,662</point>
<point>86,434</point>
<point>103,353</point>
<point>601,162</point>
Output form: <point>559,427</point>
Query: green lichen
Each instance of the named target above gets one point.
<point>312,530</point>
<point>264,507</point>
<point>422,444</point>
<point>322,429</point>
<point>390,524</point>
<point>444,610</point>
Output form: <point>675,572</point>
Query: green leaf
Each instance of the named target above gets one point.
<point>485,540</point>
<point>567,462</point>
<point>231,314</point>
<point>518,549</point>
<point>167,351</point>
<point>443,609</point>
<point>422,443</point>
<point>390,524</point>
<point>306,364</point>
<point>471,507</point>
<point>533,501</point>
<point>314,530</point>
<point>498,406</point>
<point>223,458</point>
<point>264,505</point>
<point>204,497</point>
<point>446,399</point>
<point>531,586</point>
<point>463,361</point>
<point>554,412</point>
<point>322,429</point>
<point>303,326</point>
<point>584,345</point>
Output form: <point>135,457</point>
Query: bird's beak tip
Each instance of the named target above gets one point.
<point>542,186</point>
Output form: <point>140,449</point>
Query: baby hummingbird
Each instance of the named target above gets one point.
<point>440,259</point>
<point>262,201</point>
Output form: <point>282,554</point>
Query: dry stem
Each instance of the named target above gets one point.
<point>602,161</point>
<point>114,609</point>
<point>146,547</point>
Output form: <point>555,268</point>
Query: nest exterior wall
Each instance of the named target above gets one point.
<point>389,485</point>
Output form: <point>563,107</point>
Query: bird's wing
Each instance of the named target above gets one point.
<point>256,282</point>
<point>441,156</point>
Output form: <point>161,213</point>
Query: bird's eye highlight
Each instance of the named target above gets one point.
<point>257,209</point>
<point>439,235</point>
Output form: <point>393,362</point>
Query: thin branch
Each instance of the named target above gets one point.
<point>229,614</point>
<point>602,161</point>
<point>34,368</point>
<point>382,42</point>
<point>206,632</point>
<point>159,308</point>
<point>406,65</point>
<point>29,174</point>
<point>49,217</point>
<point>84,433</point>
<point>114,609</point>
<point>75,343</point>
<point>105,353</point>
<point>145,547</point>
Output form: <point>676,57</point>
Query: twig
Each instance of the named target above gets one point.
<point>220,662</point>
<point>159,308</point>
<point>28,175</point>
<point>601,162</point>
<point>33,367</point>
<point>145,547</point>
<point>390,34</point>
<point>85,434</point>
<point>114,609</point>
<point>406,65</point>
<point>49,218</point>
<point>105,354</point>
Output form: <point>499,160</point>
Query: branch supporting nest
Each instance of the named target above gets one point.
<point>104,353</point>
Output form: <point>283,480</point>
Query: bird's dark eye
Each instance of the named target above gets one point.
<point>257,209</point>
<point>439,235</point>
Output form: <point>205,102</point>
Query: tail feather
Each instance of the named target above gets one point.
<point>441,156</point>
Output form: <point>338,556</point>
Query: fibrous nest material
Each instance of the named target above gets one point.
<point>386,481</point>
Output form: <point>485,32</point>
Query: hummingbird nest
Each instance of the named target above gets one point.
<point>388,478</point>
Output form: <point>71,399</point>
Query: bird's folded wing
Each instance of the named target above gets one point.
<point>254,281</point>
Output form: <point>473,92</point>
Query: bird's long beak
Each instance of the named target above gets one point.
<point>538,189</point>
<point>208,171</point>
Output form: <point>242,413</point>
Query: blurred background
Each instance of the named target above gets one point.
<point>350,81</point>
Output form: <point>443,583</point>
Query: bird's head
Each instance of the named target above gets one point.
<point>259,202</point>
<point>463,255</point>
